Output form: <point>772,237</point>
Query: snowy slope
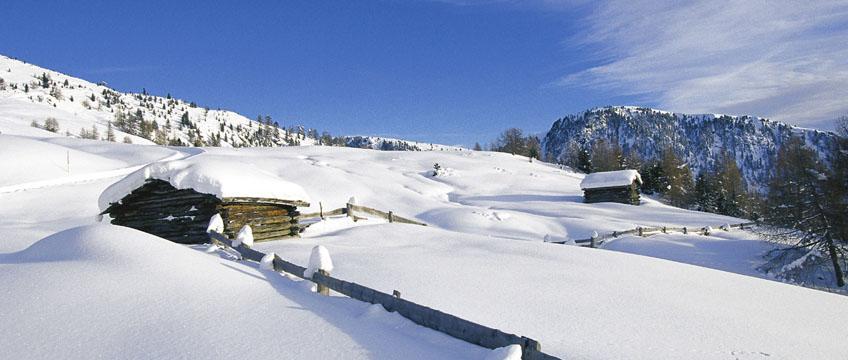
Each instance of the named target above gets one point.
<point>482,258</point>
<point>588,303</point>
<point>104,291</point>
<point>81,105</point>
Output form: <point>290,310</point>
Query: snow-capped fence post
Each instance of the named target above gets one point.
<point>639,229</point>
<point>349,207</point>
<point>445,323</point>
<point>391,217</point>
<point>323,289</point>
<point>321,263</point>
<point>594,239</point>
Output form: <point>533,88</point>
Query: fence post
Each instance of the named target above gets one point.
<point>396,294</point>
<point>592,242</point>
<point>321,210</point>
<point>685,231</point>
<point>322,289</point>
<point>349,208</point>
<point>391,217</point>
<point>639,229</point>
<point>665,231</point>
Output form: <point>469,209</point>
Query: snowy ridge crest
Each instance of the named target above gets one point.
<point>699,139</point>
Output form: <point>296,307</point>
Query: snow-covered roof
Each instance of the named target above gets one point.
<point>221,176</point>
<point>610,179</point>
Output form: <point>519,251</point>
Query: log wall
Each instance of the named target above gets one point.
<point>622,194</point>
<point>183,215</point>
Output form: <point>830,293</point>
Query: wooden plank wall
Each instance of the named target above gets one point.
<point>182,215</point>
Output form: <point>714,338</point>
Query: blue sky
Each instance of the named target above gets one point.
<point>450,71</point>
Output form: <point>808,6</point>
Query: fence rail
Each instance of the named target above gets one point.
<point>352,209</point>
<point>648,231</point>
<point>451,325</point>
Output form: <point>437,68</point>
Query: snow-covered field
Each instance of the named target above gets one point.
<point>96,290</point>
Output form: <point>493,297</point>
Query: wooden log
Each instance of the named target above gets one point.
<point>272,235</point>
<point>271,227</point>
<point>199,199</point>
<point>259,220</point>
<point>252,211</point>
<point>322,288</point>
<point>253,200</point>
<point>335,212</point>
<point>259,212</point>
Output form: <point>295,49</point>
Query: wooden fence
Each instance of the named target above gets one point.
<point>430,318</point>
<point>648,231</point>
<point>352,210</point>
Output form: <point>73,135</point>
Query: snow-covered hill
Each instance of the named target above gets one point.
<point>697,139</point>
<point>392,144</point>
<point>97,289</point>
<point>31,94</point>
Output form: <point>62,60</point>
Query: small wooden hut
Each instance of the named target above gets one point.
<point>182,213</point>
<point>620,186</point>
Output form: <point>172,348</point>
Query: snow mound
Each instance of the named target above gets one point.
<point>245,236</point>
<point>319,259</point>
<point>221,176</point>
<point>512,352</point>
<point>216,224</point>
<point>93,291</point>
<point>609,179</point>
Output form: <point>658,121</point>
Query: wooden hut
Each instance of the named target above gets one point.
<point>181,212</point>
<point>620,186</point>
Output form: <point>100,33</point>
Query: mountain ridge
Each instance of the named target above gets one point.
<point>699,139</point>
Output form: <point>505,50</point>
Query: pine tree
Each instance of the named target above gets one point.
<point>51,124</point>
<point>45,80</point>
<point>533,147</point>
<point>798,201</point>
<point>679,190</point>
<point>584,161</point>
<point>110,133</point>
<point>654,179</point>
<point>56,93</point>
<point>705,193</point>
<point>512,141</point>
<point>477,147</point>
<point>606,156</point>
<point>732,197</point>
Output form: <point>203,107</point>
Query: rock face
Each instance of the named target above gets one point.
<point>697,139</point>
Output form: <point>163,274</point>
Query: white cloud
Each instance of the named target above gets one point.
<point>787,60</point>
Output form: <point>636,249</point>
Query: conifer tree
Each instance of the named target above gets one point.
<point>679,190</point>
<point>732,197</point>
<point>110,133</point>
<point>584,161</point>
<point>798,201</point>
<point>606,156</point>
<point>45,80</point>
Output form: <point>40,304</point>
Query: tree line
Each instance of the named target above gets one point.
<point>807,197</point>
